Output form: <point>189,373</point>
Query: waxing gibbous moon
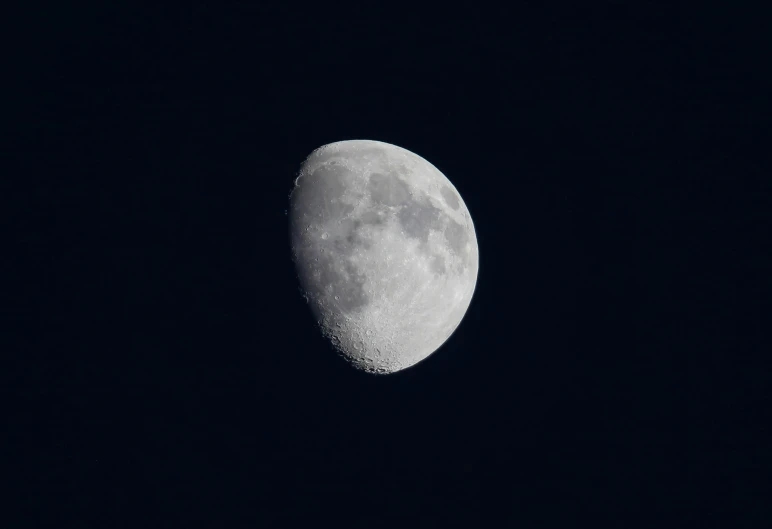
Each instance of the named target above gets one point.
<point>385,252</point>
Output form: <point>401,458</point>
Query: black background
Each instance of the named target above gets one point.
<point>163,368</point>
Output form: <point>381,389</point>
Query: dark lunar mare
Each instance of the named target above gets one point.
<point>416,215</point>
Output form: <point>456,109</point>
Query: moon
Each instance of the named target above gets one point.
<point>385,252</point>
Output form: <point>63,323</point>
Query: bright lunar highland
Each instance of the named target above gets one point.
<point>385,252</point>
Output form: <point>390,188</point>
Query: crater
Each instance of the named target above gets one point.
<point>417,219</point>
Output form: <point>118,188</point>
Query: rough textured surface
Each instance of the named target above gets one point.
<point>385,252</point>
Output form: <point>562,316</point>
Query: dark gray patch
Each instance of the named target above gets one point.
<point>388,190</point>
<point>438,265</point>
<point>372,218</point>
<point>457,238</point>
<point>417,219</point>
<point>449,196</point>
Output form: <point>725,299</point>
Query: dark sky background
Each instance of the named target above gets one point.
<point>168,374</point>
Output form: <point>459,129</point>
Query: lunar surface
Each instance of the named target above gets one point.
<point>385,252</point>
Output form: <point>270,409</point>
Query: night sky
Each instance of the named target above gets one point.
<point>164,371</point>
